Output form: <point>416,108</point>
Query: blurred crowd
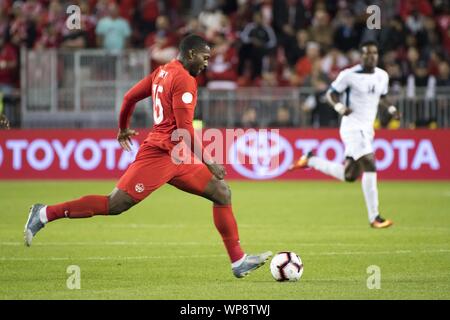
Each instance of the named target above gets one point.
<point>255,42</point>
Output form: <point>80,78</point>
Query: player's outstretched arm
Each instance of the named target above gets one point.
<point>333,100</point>
<point>138,92</point>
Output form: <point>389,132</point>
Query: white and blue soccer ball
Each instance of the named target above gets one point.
<point>286,266</point>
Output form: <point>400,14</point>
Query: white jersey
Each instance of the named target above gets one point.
<point>362,95</point>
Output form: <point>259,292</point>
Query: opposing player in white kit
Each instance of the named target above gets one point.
<point>365,87</point>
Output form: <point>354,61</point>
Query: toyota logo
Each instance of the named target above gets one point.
<point>261,154</point>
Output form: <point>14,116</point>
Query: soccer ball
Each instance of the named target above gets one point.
<point>286,266</point>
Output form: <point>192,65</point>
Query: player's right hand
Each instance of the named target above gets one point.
<point>217,170</point>
<point>124,137</point>
<point>4,122</point>
<point>342,109</point>
<point>347,111</point>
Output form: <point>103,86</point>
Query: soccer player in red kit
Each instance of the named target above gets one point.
<point>173,89</point>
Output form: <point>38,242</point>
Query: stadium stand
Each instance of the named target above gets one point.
<point>46,67</point>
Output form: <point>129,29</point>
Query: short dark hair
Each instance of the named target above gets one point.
<point>192,41</point>
<point>368,43</point>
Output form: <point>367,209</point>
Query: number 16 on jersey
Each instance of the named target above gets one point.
<point>157,105</point>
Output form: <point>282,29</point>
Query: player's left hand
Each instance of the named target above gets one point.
<point>217,170</point>
<point>124,137</point>
<point>4,122</point>
<point>393,112</point>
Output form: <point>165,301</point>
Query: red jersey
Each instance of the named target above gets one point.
<point>174,94</point>
<point>172,88</point>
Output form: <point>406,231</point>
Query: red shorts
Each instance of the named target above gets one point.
<point>154,167</point>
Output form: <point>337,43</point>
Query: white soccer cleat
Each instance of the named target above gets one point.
<point>33,224</point>
<point>250,263</point>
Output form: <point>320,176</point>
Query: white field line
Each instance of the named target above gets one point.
<point>264,227</point>
<point>345,253</point>
<point>150,226</point>
<point>110,243</point>
<point>253,226</point>
<point>185,243</point>
<point>113,258</point>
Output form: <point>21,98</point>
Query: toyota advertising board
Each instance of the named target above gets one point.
<point>250,154</point>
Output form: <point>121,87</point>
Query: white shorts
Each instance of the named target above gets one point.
<point>357,143</point>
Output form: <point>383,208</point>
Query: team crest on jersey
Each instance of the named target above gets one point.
<point>139,187</point>
<point>187,97</point>
<point>372,89</point>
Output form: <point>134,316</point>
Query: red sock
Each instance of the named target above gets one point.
<point>85,207</point>
<point>226,225</point>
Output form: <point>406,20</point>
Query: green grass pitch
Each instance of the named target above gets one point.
<point>167,246</point>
